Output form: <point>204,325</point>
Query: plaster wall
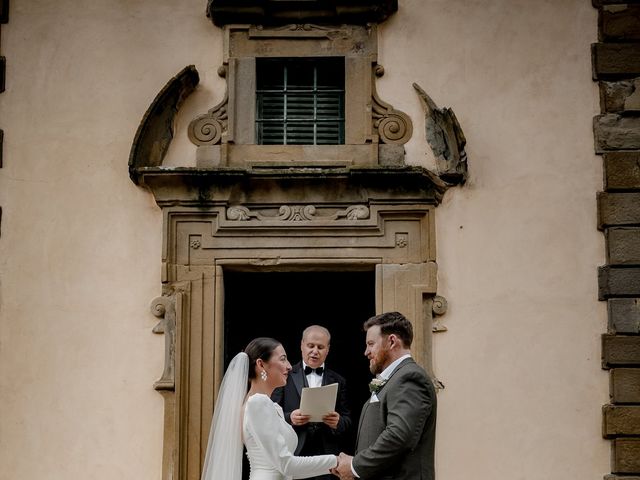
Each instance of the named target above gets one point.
<point>517,246</point>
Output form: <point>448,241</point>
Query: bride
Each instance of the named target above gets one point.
<point>252,416</point>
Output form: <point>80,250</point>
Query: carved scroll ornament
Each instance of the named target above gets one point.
<point>439,308</point>
<point>207,129</point>
<point>298,213</point>
<point>164,307</point>
<point>393,126</point>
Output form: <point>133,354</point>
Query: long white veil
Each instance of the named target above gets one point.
<point>224,450</point>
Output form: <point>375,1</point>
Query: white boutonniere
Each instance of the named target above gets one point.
<point>376,384</point>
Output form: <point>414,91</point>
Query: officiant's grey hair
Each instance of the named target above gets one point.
<point>310,328</point>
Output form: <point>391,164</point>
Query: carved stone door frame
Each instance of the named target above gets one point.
<point>372,218</point>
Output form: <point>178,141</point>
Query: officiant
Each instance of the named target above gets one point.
<point>314,438</point>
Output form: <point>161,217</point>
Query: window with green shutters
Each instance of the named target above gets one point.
<point>300,101</point>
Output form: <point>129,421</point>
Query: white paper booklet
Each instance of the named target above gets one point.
<point>318,401</point>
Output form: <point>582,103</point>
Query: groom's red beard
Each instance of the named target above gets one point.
<point>378,362</point>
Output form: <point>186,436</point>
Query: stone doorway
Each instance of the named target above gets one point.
<point>282,304</point>
<point>374,222</point>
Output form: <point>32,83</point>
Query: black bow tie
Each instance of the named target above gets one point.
<point>308,370</point>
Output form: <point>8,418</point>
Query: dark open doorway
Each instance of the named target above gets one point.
<point>282,304</point>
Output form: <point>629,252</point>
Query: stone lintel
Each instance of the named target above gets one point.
<point>621,171</point>
<point>623,246</point>
<point>615,60</point>
<point>620,350</point>
<point>620,420</point>
<point>277,12</point>
<point>616,132</point>
<point>202,187</point>
<point>618,282</point>
<point>619,23</point>
<point>626,456</point>
<point>624,315</point>
<point>618,209</point>
<point>619,96</point>
<point>625,385</point>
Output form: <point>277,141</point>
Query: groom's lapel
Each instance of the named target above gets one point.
<point>297,375</point>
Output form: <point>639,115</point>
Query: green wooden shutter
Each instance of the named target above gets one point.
<point>300,101</point>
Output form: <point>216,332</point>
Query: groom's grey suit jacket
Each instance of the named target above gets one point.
<point>396,435</point>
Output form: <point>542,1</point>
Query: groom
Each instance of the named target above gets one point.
<point>396,433</point>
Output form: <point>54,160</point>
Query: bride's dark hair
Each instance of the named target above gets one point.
<point>260,348</point>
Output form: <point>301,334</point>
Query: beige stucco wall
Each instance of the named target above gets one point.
<point>517,246</point>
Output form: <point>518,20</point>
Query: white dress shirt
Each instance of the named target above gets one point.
<point>386,373</point>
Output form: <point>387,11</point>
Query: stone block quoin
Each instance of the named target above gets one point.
<point>4,18</point>
<point>620,420</point>
<point>615,60</point>
<point>625,385</point>
<point>622,171</point>
<point>619,23</point>
<point>626,456</point>
<point>622,96</point>
<point>616,67</point>
<point>624,317</point>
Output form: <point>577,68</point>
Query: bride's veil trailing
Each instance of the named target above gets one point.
<point>224,451</point>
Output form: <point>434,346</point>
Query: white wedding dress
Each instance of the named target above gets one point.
<point>271,441</point>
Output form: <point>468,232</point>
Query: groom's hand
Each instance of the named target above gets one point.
<point>343,470</point>
<point>297,418</point>
<point>331,419</point>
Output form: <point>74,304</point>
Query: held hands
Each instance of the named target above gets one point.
<point>343,469</point>
<point>297,418</point>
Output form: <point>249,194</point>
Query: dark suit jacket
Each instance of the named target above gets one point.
<point>396,435</point>
<point>288,397</point>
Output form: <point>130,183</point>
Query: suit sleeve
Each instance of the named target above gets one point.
<point>265,426</point>
<point>409,402</point>
<point>342,407</point>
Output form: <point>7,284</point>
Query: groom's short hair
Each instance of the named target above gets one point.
<point>392,322</point>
